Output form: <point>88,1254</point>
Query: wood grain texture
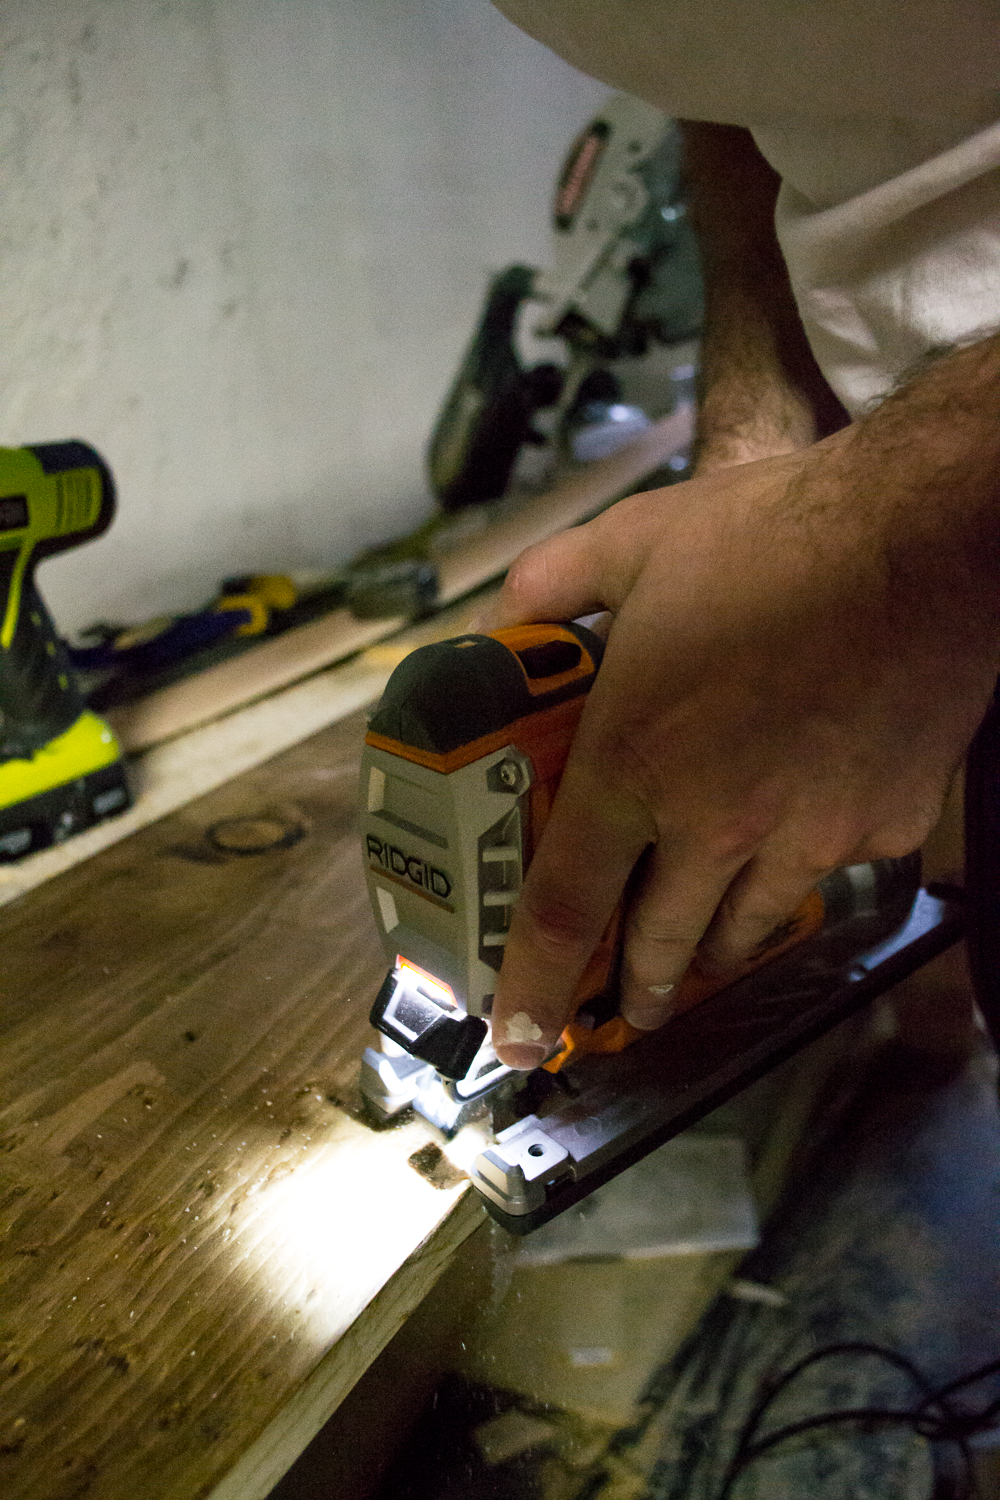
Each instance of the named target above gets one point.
<point>202,1245</point>
<point>203,730</point>
<point>169,775</point>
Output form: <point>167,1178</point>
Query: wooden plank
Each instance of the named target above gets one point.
<point>203,730</point>
<point>270,666</point>
<point>198,733</point>
<point>298,1422</point>
<point>203,1245</point>
<point>167,776</point>
<point>480,556</point>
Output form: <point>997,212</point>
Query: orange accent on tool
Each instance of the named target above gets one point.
<point>696,986</point>
<point>545,736</point>
<point>446,992</point>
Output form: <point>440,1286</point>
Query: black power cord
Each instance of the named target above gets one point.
<point>934,1417</point>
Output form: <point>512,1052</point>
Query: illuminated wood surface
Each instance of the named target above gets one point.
<point>203,1246</point>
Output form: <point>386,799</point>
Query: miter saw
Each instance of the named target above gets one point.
<point>625,276</point>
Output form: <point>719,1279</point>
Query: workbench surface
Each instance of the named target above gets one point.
<point>204,1245</point>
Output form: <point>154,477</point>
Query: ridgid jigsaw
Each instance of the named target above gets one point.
<point>462,759</point>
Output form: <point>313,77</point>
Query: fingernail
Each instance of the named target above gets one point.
<point>522,1055</point>
<point>519,1042</point>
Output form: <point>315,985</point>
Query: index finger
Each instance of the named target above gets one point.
<point>593,837</point>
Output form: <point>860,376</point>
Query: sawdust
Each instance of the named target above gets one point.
<point>431,1162</point>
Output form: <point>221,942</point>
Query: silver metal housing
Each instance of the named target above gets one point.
<point>444,863</point>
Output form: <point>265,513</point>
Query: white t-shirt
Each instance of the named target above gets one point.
<point>882,118</point>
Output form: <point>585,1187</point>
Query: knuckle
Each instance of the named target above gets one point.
<point>726,947</point>
<point>663,932</point>
<point>823,861</point>
<point>521,575</point>
<point>717,957</point>
<point>736,843</point>
<point>746,923</point>
<point>644,966</point>
<point>829,840</point>
<point>900,840</point>
<point>760,907</point>
<point>557,927</point>
<point>658,952</point>
<point>741,926</point>
<point>900,835</point>
<point>735,839</point>
<point>827,851</point>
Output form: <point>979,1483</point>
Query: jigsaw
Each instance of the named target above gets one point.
<point>462,760</point>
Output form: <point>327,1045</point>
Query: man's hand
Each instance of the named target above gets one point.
<point>801,650</point>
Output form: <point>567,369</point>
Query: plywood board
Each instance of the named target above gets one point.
<point>201,1244</point>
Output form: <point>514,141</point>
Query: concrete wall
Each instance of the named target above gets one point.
<point>242,245</point>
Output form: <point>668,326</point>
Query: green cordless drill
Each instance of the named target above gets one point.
<point>60,765</point>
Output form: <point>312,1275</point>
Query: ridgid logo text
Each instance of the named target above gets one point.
<point>408,866</point>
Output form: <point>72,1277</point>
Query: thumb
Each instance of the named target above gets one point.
<point>589,845</point>
<point>583,571</point>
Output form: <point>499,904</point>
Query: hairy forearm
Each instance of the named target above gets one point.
<point>924,472</point>
<point>762,393</point>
